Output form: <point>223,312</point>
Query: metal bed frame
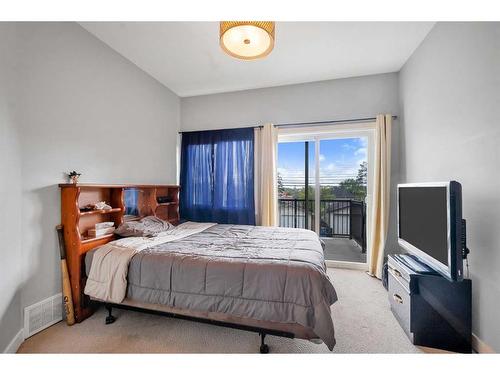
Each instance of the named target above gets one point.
<point>264,348</point>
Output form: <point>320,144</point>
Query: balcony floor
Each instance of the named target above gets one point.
<point>343,249</point>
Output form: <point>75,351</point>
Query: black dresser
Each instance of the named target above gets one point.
<point>432,310</point>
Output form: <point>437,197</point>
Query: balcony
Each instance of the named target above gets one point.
<point>342,225</point>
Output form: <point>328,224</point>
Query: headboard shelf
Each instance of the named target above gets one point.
<point>94,239</point>
<point>118,186</point>
<point>142,202</point>
<point>95,212</point>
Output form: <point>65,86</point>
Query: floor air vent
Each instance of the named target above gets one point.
<point>42,315</point>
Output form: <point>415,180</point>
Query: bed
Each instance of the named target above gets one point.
<point>269,280</point>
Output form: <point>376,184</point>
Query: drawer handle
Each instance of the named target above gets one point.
<point>397,298</point>
<point>396,272</point>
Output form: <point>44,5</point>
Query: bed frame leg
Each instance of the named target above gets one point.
<point>264,348</point>
<point>110,318</point>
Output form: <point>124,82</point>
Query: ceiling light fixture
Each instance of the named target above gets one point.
<point>247,40</point>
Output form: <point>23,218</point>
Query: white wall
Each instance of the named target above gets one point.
<point>79,105</point>
<point>10,197</point>
<point>326,100</point>
<point>450,107</point>
<point>338,99</point>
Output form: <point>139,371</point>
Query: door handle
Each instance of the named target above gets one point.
<point>397,298</point>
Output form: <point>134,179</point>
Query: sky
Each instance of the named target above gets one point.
<point>339,160</point>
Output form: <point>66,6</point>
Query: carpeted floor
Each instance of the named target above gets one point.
<point>362,318</point>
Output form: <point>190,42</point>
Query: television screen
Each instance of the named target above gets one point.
<point>423,220</point>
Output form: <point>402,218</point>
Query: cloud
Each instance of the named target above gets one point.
<point>348,147</point>
<point>330,167</point>
<point>321,157</point>
<point>360,152</point>
<point>282,171</point>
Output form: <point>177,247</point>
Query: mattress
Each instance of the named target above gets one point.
<point>240,273</point>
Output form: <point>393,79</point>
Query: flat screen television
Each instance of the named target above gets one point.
<point>430,225</point>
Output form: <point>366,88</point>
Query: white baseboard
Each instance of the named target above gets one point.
<point>15,343</point>
<point>48,312</point>
<point>480,346</point>
<point>346,265</point>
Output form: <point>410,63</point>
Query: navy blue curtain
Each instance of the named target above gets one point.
<point>217,176</point>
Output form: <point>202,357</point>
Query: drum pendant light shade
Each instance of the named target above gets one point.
<point>247,40</point>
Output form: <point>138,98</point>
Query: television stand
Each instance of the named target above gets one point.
<point>432,310</point>
<point>414,264</point>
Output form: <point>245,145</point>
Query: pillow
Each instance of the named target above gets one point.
<point>149,226</point>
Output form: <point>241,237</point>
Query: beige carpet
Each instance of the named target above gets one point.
<point>363,324</point>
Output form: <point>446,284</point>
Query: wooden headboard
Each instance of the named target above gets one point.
<point>76,223</point>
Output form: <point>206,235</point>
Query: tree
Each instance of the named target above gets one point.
<point>281,188</point>
<point>362,173</point>
<point>347,189</point>
<point>354,188</point>
<point>300,193</point>
<point>327,192</point>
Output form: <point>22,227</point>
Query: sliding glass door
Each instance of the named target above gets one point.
<point>323,185</point>
<point>296,184</point>
<point>342,165</point>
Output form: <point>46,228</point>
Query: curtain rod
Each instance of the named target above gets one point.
<point>327,122</point>
<point>298,124</point>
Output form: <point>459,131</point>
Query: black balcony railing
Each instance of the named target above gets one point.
<point>338,217</point>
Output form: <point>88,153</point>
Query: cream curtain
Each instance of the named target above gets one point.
<point>381,193</point>
<point>266,191</point>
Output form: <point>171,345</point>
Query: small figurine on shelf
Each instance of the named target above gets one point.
<point>101,206</point>
<point>95,206</point>
<point>73,176</point>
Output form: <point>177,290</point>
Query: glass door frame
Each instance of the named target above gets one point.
<point>337,131</point>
